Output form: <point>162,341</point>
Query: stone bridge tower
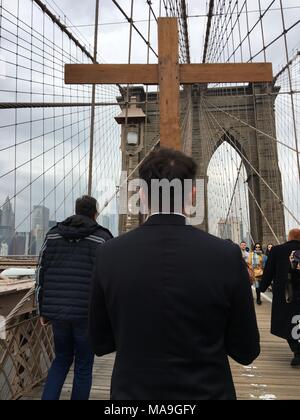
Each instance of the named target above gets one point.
<point>258,151</point>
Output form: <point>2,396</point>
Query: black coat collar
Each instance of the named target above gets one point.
<point>166,219</point>
<point>294,241</point>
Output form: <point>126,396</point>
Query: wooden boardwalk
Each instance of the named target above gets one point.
<point>269,378</point>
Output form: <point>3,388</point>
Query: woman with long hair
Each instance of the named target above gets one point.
<point>269,249</point>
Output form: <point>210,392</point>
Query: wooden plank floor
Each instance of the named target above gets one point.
<point>269,378</point>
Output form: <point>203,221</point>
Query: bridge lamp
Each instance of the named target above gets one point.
<point>132,137</point>
<point>132,120</point>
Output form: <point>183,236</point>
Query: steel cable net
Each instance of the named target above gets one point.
<point>44,150</point>
<point>178,8</point>
<point>45,127</point>
<point>253,127</point>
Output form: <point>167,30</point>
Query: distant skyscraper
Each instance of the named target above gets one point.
<point>20,244</point>
<point>40,217</point>
<point>8,217</point>
<point>3,249</point>
<point>32,244</point>
<point>6,234</point>
<point>7,225</point>
<point>39,235</point>
<point>40,227</point>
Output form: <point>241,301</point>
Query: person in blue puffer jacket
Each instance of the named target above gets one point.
<point>64,276</point>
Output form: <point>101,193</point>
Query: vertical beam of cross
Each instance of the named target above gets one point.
<point>170,133</point>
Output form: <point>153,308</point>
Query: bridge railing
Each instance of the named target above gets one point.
<point>26,351</point>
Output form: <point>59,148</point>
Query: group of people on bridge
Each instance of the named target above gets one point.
<point>172,301</point>
<point>278,270</point>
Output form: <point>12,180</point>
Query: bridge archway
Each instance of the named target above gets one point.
<point>244,118</point>
<point>227,192</point>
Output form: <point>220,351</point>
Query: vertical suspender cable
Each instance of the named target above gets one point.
<point>92,134</point>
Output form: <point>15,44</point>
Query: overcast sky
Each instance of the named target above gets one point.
<point>113,38</point>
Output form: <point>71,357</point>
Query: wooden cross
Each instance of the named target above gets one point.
<point>169,75</point>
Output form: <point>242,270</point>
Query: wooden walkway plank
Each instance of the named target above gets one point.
<point>269,378</point>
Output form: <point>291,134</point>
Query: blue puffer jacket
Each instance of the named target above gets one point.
<point>65,270</point>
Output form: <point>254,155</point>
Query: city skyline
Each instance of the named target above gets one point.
<point>13,242</point>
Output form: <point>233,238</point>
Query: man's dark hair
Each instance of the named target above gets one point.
<point>170,165</point>
<point>86,206</point>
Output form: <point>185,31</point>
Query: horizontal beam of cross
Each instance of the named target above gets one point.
<point>169,75</point>
<point>148,74</point>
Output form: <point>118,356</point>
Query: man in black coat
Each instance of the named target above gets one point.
<point>174,302</point>
<point>277,271</point>
<point>63,290</point>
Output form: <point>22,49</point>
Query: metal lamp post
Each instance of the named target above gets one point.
<point>133,121</point>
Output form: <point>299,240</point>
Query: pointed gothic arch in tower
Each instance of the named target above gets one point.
<point>244,117</point>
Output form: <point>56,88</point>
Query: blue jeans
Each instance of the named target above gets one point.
<point>71,345</point>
